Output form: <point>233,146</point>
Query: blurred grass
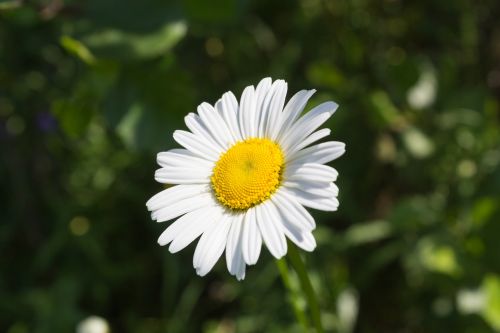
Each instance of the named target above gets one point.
<point>91,90</point>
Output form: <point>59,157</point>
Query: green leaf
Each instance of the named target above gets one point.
<point>368,232</point>
<point>12,4</point>
<point>325,74</point>
<point>211,11</point>
<point>386,114</point>
<point>119,44</point>
<point>73,115</point>
<point>129,30</point>
<point>491,312</point>
<point>148,103</point>
<point>417,143</point>
<point>437,257</point>
<point>78,49</point>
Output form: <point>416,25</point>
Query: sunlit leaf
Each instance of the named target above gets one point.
<point>368,232</point>
<point>418,144</point>
<point>78,49</point>
<point>491,312</point>
<point>119,44</point>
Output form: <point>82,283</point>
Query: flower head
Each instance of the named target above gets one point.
<point>244,176</point>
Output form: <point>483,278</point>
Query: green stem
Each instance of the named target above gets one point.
<point>293,294</point>
<point>299,266</point>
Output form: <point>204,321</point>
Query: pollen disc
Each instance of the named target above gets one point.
<point>248,173</point>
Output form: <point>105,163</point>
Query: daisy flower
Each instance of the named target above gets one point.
<point>245,175</point>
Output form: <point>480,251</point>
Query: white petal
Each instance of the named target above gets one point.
<point>201,248</point>
<point>180,224</point>
<point>271,231</point>
<point>183,206</point>
<point>312,201</point>
<point>218,108</point>
<point>308,124</point>
<point>302,237</point>
<point>230,103</point>
<point>181,157</point>
<point>262,90</point>
<point>215,124</point>
<point>320,189</point>
<point>183,175</point>
<point>232,240</point>
<point>293,210</point>
<point>229,110</point>
<point>246,113</point>
<point>240,266</point>
<point>174,194</point>
<point>270,110</point>
<point>196,145</point>
<point>321,153</point>
<point>251,238</point>
<point>318,135</point>
<point>192,229</point>
<point>263,94</point>
<point>275,110</point>
<point>293,109</point>
<point>200,129</point>
<point>310,172</point>
<point>213,242</point>
<point>234,256</point>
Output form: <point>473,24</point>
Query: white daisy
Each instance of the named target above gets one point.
<point>244,176</point>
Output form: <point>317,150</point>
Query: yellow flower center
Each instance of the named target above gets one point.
<point>248,173</point>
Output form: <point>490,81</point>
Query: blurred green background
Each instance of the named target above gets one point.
<point>91,90</point>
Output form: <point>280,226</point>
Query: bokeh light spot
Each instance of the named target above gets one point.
<point>79,225</point>
<point>214,47</point>
<point>15,125</point>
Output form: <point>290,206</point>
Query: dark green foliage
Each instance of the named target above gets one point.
<point>91,90</point>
